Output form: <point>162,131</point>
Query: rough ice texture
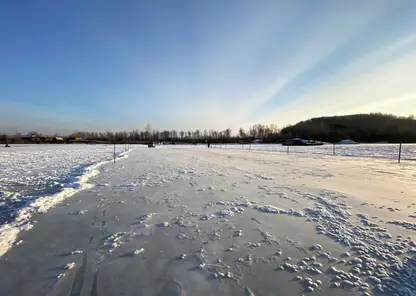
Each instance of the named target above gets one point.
<point>34,178</point>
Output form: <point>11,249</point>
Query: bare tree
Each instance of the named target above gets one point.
<point>155,135</point>
<point>241,133</point>
<point>227,133</point>
<point>165,135</point>
<point>148,132</point>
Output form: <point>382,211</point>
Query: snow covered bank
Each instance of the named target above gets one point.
<point>35,178</point>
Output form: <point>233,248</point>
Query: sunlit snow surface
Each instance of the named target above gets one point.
<point>35,177</point>
<point>249,223</point>
<point>387,151</point>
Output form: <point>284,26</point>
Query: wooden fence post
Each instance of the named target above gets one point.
<point>333,152</point>
<point>114,154</point>
<point>287,149</point>
<point>400,152</point>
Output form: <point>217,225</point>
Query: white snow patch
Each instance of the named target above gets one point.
<point>264,177</point>
<point>269,209</point>
<point>18,243</point>
<point>164,224</point>
<point>69,266</point>
<point>138,251</point>
<point>81,212</point>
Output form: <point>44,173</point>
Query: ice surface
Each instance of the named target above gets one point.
<point>328,216</point>
<point>34,178</point>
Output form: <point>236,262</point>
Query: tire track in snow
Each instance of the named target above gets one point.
<point>94,289</point>
<point>78,282</point>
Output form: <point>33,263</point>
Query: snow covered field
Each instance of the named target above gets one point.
<point>388,151</point>
<point>196,221</point>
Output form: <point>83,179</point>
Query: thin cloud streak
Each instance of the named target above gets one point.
<point>394,81</point>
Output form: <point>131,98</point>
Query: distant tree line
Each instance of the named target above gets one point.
<point>364,128</point>
<point>268,133</point>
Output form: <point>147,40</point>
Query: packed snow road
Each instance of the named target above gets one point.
<point>225,222</point>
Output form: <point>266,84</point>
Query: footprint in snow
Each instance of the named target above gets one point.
<point>173,288</point>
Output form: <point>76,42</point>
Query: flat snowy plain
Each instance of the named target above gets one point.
<point>388,151</point>
<point>197,221</point>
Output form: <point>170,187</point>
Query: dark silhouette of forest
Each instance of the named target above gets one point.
<point>363,128</point>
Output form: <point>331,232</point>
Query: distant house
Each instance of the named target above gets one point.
<point>57,139</point>
<point>32,136</point>
<point>74,139</point>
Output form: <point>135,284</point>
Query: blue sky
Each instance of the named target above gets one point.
<point>109,65</point>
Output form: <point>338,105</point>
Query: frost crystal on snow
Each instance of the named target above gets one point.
<point>270,209</point>
<point>145,218</point>
<point>138,251</point>
<point>69,266</point>
<point>405,224</point>
<point>316,247</point>
<point>82,212</point>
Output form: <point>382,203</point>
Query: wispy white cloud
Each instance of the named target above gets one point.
<point>387,88</point>
<point>333,29</point>
<point>381,80</point>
